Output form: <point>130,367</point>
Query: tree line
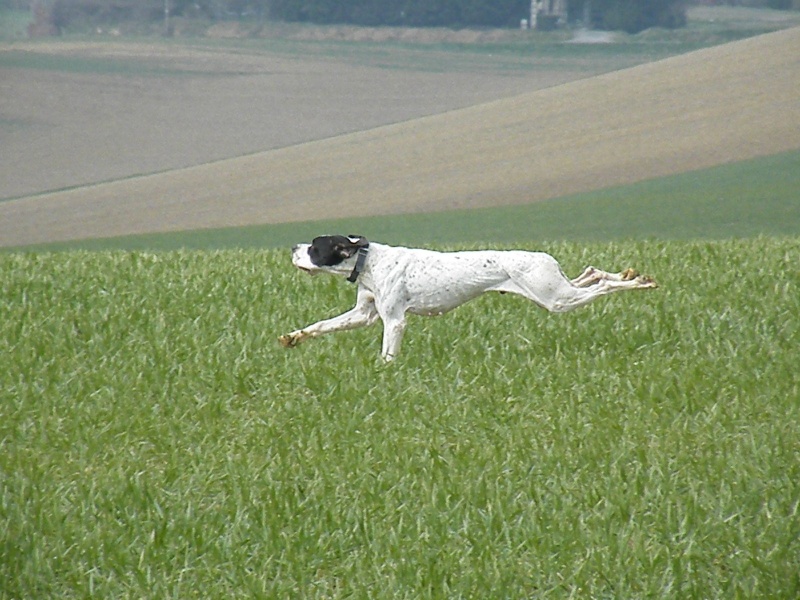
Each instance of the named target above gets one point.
<point>627,15</point>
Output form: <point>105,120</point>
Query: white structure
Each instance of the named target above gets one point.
<point>552,10</point>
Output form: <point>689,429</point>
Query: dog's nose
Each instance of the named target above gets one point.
<point>295,247</point>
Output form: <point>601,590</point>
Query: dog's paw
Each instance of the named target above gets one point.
<point>646,281</point>
<point>290,340</point>
<point>629,274</point>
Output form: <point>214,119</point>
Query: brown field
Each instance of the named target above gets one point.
<point>237,137</point>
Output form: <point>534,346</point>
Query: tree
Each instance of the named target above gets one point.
<point>631,16</point>
<point>415,13</point>
<point>628,15</point>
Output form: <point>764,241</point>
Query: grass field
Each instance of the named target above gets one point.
<point>157,442</point>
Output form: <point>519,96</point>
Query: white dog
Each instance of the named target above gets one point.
<point>394,280</point>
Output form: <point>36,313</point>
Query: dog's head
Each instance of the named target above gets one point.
<point>329,254</point>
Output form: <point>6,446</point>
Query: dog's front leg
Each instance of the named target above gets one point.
<point>362,314</point>
<point>392,337</point>
<point>393,328</point>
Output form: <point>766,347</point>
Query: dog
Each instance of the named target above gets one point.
<point>393,281</point>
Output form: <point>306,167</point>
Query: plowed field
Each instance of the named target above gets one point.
<point>226,137</point>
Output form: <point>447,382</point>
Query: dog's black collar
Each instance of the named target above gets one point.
<point>360,260</point>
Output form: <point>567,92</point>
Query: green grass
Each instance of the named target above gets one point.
<point>66,63</point>
<point>157,442</point>
<point>745,199</point>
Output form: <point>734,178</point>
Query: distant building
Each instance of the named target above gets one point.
<point>548,14</point>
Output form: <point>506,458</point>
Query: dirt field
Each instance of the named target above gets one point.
<point>172,107</point>
<point>328,137</point>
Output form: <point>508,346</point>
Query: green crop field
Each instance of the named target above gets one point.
<point>157,442</point>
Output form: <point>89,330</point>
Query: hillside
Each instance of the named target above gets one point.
<point>697,110</point>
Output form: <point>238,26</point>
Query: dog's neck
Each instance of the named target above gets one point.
<point>361,258</point>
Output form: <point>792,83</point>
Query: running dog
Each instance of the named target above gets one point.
<point>393,281</point>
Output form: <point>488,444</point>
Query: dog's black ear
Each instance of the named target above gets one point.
<point>345,250</point>
<point>346,246</point>
<point>359,241</point>
<point>343,247</point>
<point>350,245</point>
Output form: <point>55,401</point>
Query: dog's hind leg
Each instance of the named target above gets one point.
<point>569,297</point>
<point>592,275</point>
<point>547,286</point>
